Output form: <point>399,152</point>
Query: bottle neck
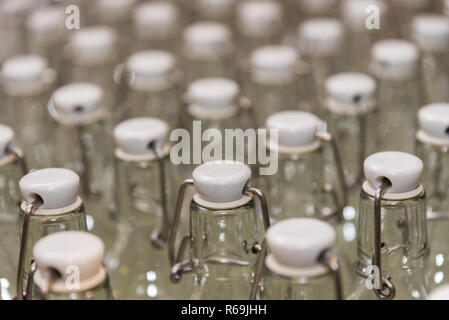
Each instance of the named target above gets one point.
<point>101,292</point>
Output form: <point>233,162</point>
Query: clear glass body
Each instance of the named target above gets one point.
<point>9,228</point>
<point>220,251</point>
<point>100,292</point>
<point>28,117</point>
<point>399,102</point>
<point>435,71</point>
<point>138,269</point>
<point>277,287</point>
<point>404,249</point>
<point>222,65</point>
<point>97,192</point>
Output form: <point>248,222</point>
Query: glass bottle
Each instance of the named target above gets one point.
<point>278,80</point>
<point>223,237</point>
<point>208,51</point>
<point>26,85</point>
<point>145,180</point>
<point>258,23</point>
<point>301,263</point>
<point>84,146</point>
<point>360,33</point>
<point>394,64</point>
<point>50,204</point>
<point>431,33</point>
<point>69,266</point>
<point>47,34</point>
<point>392,229</point>
<point>440,293</point>
<point>91,55</point>
<point>152,87</point>
<point>432,147</point>
<point>12,166</point>
<point>321,42</point>
<point>156,25</point>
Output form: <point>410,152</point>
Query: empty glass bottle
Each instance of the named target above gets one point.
<point>26,85</point>
<point>69,266</point>
<point>395,65</point>
<point>51,204</point>
<point>208,51</point>
<point>321,42</point>
<point>153,84</point>
<point>278,80</point>
<point>12,167</point>
<point>432,148</point>
<point>83,146</point>
<point>145,180</point>
<point>301,263</point>
<point>392,229</point>
<point>431,33</point>
<point>223,238</point>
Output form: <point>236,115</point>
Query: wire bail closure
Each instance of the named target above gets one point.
<point>20,157</point>
<point>180,265</point>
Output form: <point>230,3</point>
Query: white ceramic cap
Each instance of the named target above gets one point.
<point>394,59</point>
<point>134,136</point>
<point>404,170</point>
<point>260,18</point>
<point>47,25</point>
<point>214,9</point>
<point>67,252</point>
<point>348,91</point>
<point>12,12</point>
<point>213,92</point>
<point>78,99</point>
<point>295,128</point>
<point>354,13</point>
<point>93,45</point>
<point>206,39</point>
<point>6,137</point>
<point>273,63</point>
<point>440,293</point>
<point>221,181</point>
<point>431,32</point>
<point>321,37</point>
<point>318,7</point>
<point>150,69</point>
<point>57,187</point>
<point>155,20</point>
<point>298,243</point>
<point>434,120</point>
<point>113,10</point>
<point>23,73</point>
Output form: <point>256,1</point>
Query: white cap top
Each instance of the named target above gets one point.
<point>221,181</point>
<point>214,9</point>
<point>150,69</point>
<point>78,100</point>
<point>354,13</point>
<point>6,137</point>
<point>113,10</point>
<point>295,128</point>
<point>347,92</point>
<point>404,170</point>
<point>394,59</point>
<point>213,92</point>
<point>47,25</point>
<point>434,120</point>
<point>155,19</point>
<point>134,136</point>
<point>317,7</point>
<point>321,37</point>
<point>93,45</point>
<point>273,63</point>
<point>64,251</point>
<point>260,18</point>
<point>296,245</point>
<point>440,293</point>
<point>205,39</point>
<point>24,73</point>
<point>57,187</point>
<point>431,32</point>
